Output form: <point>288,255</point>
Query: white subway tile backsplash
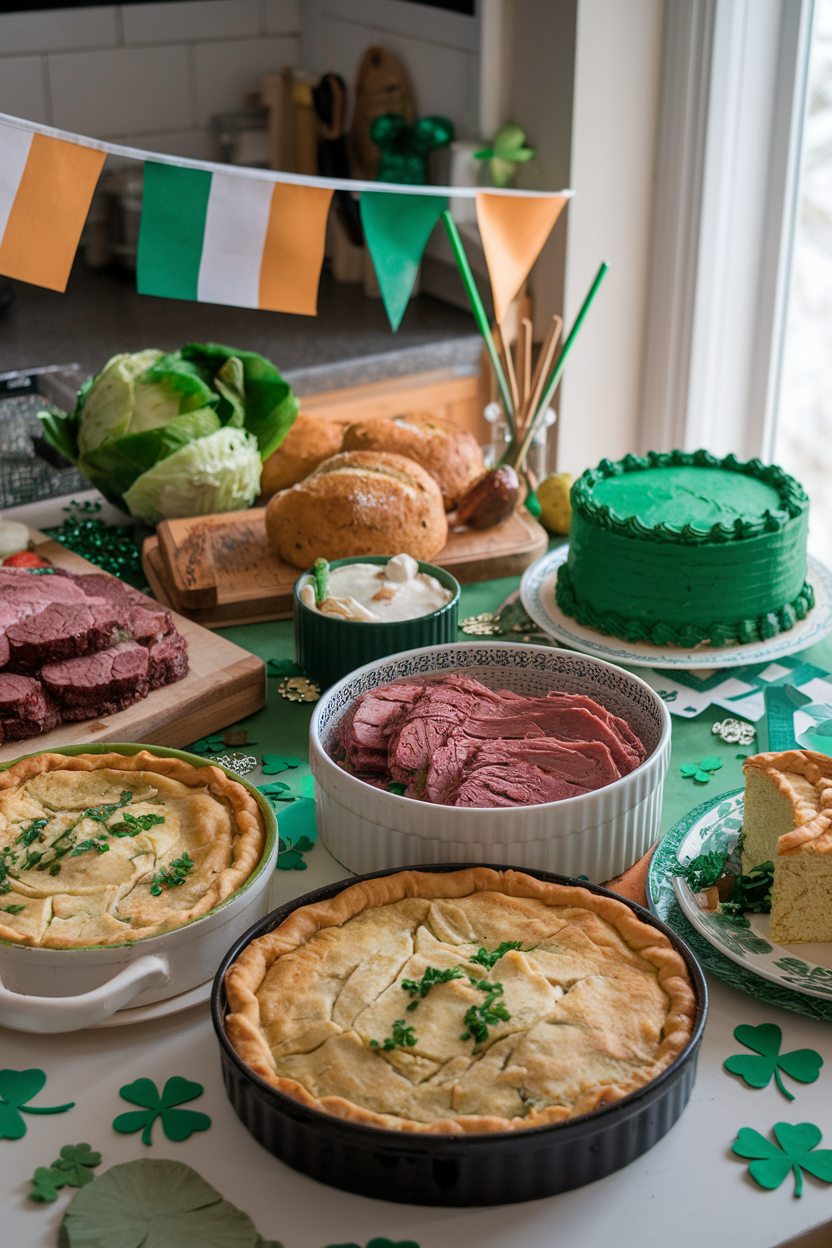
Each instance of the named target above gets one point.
<point>56,30</point>
<point>282,17</point>
<point>21,88</point>
<point>226,71</point>
<point>190,19</point>
<point>122,91</point>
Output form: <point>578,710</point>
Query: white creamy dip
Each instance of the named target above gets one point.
<point>376,593</point>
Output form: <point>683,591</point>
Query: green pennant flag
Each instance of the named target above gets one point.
<point>397,228</point>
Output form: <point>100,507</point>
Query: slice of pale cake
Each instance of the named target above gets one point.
<point>788,820</point>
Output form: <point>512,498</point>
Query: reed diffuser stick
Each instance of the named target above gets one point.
<point>544,363</point>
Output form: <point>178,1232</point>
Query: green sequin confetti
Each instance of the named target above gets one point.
<point>701,772</point>
<point>770,1163</point>
<point>16,1088</point>
<point>177,1124</point>
<point>802,1064</point>
<point>114,548</point>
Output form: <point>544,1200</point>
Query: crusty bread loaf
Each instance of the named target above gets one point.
<point>358,503</point>
<point>310,441</point>
<point>449,453</point>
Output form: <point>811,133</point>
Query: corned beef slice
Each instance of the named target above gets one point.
<point>62,631</point>
<point>69,624</point>
<point>95,679</point>
<point>455,742</point>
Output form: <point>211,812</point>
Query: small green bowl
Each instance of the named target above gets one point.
<point>327,648</point>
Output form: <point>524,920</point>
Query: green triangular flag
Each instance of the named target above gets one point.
<point>397,228</point>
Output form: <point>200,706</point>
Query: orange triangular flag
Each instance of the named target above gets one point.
<point>513,229</point>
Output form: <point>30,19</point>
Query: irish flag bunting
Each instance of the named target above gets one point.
<point>224,238</point>
<point>396,230</point>
<point>46,185</point>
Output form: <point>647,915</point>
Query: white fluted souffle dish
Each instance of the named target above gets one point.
<point>598,834</point>
<point>52,990</point>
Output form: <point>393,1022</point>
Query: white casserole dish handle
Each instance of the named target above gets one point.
<point>50,1014</point>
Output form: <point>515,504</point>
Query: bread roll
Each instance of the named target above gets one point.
<point>310,441</point>
<point>448,452</point>
<point>358,503</point>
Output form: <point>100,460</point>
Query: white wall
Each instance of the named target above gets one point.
<point>614,127</point>
<point>149,75</point>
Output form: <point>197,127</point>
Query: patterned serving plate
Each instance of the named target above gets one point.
<point>795,977</point>
<point>537,593</point>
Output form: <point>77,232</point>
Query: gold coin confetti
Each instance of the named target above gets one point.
<point>298,689</point>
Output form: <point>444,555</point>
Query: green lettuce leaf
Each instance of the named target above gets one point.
<point>270,406</point>
<point>220,472</point>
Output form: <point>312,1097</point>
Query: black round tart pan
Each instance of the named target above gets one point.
<point>488,1169</point>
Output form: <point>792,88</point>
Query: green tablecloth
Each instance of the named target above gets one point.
<point>282,727</point>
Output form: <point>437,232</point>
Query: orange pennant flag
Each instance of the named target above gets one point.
<point>46,186</point>
<point>513,230</point>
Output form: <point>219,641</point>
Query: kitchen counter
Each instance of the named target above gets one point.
<point>349,342</point>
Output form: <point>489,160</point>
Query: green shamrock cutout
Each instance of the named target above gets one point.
<point>215,744</point>
<point>17,1087</point>
<point>71,1169</point>
<point>277,791</point>
<point>282,667</point>
<point>273,764</point>
<point>290,857</point>
<point>46,1182</point>
<point>701,772</point>
<point>178,1124</point>
<point>771,1164</point>
<point>802,1064</point>
<point>380,1242</point>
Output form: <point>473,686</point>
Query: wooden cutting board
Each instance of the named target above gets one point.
<point>225,684</point>
<point>219,570</point>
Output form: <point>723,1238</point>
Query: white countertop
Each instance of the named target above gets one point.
<point>688,1191</point>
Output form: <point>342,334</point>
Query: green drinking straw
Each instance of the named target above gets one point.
<point>556,375</point>
<point>480,317</point>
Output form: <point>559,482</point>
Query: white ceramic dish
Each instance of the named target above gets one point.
<point>51,990</point>
<point>537,592</point>
<point>598,834</point>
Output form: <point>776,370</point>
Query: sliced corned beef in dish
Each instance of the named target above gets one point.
<point>453,742</point>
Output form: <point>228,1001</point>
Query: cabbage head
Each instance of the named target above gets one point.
<point>220,472</point>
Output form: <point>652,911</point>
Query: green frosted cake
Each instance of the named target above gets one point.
<point>681,548</point>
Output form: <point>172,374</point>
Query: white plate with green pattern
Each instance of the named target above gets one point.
<point>792,976</point>
<point>715,826</point>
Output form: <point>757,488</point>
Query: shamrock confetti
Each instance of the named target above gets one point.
<point>273,764</point>
<point>802,1064</point>
<point>73,1169</point>
<point>381,1243</point>
<point>277,791</point>
<point>701,772</point>
<point>290,857</point>
<point>771,1163</point>
<point>178,1124</point>
<point>282,667</point>
<point>215,744</point>
<point>298,689</point>
<point>17,1087</point>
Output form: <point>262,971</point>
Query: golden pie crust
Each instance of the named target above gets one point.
<point>599,1002</point>
<point>110,892</point>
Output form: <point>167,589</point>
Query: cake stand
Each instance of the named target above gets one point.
<point>537,592</point>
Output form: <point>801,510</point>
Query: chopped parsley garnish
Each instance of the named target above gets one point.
<point>402,1037</point>
<point>420,988</point>
<point>132,825</point>
<point>12,909</point>
<point>750,892</point>
<point>488,959</point>
<point>396,786</point>
<point>703,871</point>
<point>172,875</point>
<point>480,1017</point>
<point>32,832</point>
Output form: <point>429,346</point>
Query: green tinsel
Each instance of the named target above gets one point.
<point>114,548</point>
